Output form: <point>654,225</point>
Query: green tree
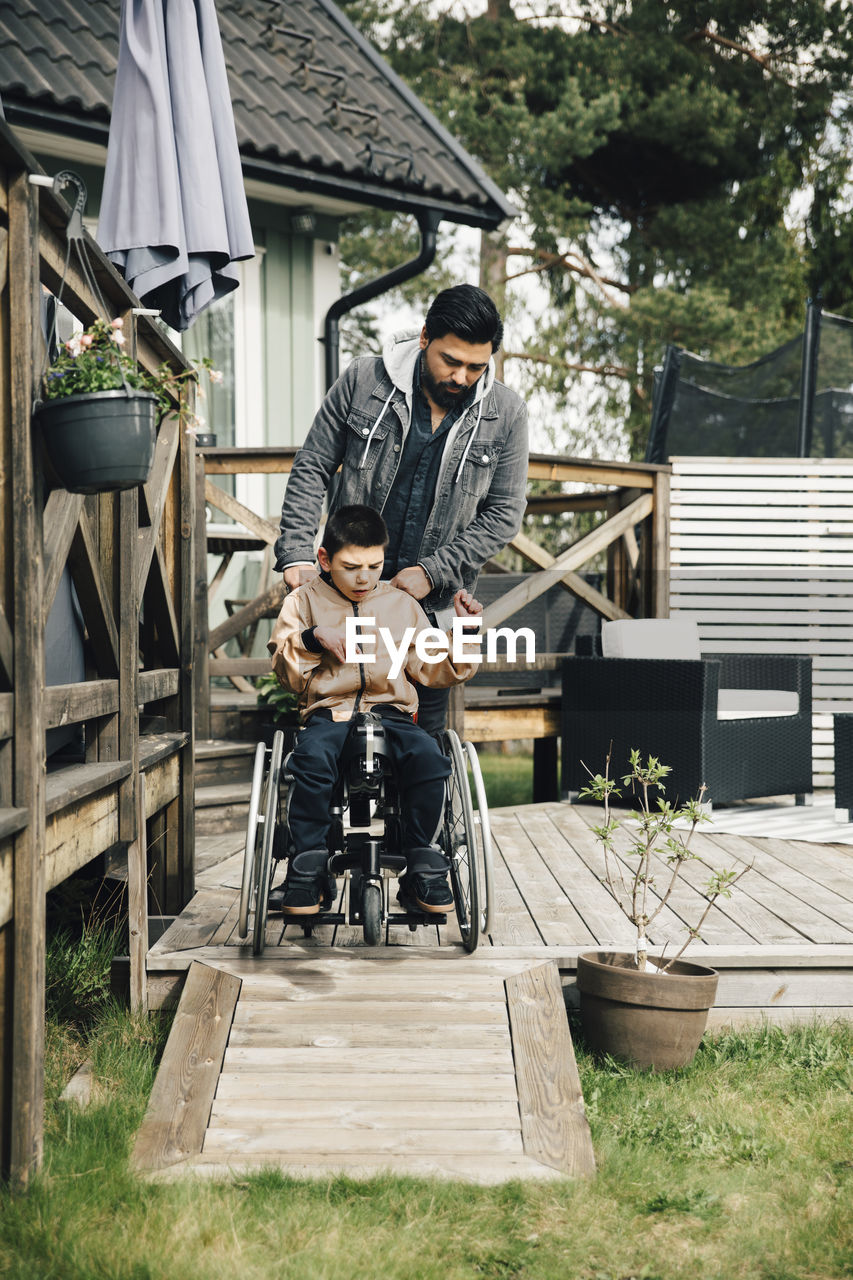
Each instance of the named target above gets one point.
<point>682,167</point>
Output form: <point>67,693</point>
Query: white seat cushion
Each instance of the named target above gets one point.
<point>650,638</point>
<point>746,704</point>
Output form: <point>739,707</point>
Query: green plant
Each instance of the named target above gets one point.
<point>95,360</point>
<point>281,702</point>
<point>657,837</point>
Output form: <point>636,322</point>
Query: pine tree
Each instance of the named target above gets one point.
<point>683,170</point>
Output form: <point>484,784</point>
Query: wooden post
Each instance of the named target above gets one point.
<point>182,887</point>
<point>131,813</point>
<point>137,906</point>
<point>201,671</point>
<point>660,545</point>
<point>29,772</point>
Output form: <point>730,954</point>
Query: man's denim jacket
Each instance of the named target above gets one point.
<point>361,426</point>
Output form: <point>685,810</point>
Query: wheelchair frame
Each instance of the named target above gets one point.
<point>363,858</point>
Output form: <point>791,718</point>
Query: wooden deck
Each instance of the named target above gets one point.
<point>418,1057</point>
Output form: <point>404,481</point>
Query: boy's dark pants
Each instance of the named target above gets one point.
<point>421,768</point>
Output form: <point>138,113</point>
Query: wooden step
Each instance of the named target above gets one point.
<point>219,762</point>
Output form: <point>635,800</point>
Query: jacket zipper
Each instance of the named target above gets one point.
<point>362,682</point>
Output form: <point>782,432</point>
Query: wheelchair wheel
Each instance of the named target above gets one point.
<point>253,827</point>
<point>263,864</point>
<point>371,913</point>
<point>460,843</point>
<point>486,861</point>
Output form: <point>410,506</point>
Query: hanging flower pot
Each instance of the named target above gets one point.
<point>101,440</point>
<point>648,1018</point>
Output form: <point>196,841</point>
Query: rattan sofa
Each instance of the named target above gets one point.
<point>670,708</point>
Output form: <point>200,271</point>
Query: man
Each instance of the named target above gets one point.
<point>428,437</point>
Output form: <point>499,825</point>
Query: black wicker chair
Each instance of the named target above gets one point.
<point>668,708</point>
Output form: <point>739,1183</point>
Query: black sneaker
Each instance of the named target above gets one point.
<point>425,892</point>
<point>302,897</point>
<point>307,888</point>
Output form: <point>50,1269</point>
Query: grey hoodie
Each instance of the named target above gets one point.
<point>361,426</point>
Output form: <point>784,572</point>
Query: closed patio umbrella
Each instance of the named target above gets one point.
<point>173,215</point>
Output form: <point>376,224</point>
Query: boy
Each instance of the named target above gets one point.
<point>308,646</point>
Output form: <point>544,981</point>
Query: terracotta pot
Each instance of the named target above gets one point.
<point>101,441</point>
<point>649,1019</point>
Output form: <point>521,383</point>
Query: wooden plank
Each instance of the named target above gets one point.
<point>217,497</point>
<point>7,647</point>
<point>353,1033</point>
<point>244,617</point>
<point>554,1126</point>
<point>155,492</point>
<point>163,682</point>
<point>254,1011</point>
<point>178,1111</point>
<point>485,1170</point>
<point>389,1060</point>
<point>344,1086</point>
<point>196,923</point>
<point>461,1113</point>
<point>73,703</point>
<point>582,470</point>
<point>76,835</point>
<point>511,723</point>
<point>277,1139</point>
<point>61,514</point>
<point>94,596</point>
<point>75,782</point>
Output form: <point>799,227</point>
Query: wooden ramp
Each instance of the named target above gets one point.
<point>445,1065</point>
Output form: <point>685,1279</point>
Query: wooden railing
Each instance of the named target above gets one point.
<point>634,535</point>
<point>131,559</point>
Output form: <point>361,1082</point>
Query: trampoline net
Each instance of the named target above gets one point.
<point>703,409</point>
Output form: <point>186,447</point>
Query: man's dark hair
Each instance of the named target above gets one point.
<point>354,526</point>
<point>468,313</point>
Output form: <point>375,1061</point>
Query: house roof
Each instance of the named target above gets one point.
<point>315,106</point>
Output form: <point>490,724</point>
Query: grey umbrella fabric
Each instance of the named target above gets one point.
<point>173,215</point>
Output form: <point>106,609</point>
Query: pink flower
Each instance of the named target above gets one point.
<point>216,376</point>
<point>119,338</point>
<point>74,346</point>
<point>86,340</point>
<point>117,323</point>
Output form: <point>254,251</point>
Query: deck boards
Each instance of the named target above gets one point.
<point>422,1059</point>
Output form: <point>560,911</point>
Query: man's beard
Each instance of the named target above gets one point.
<point>437,391</point>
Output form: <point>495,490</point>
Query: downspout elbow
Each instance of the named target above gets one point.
<point>428,223</point>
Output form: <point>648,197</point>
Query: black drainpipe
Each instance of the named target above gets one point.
<point>428,223</point>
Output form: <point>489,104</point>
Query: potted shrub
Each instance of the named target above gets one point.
<point>100,410</point>
<point>649,1011</point>
<point>281,706</point>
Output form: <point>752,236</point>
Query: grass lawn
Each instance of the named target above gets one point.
<point>508,778</point>
<point>740,1166</point>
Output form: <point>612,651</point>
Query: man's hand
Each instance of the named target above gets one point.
<point>333,639</point>
<point>296,574</point>
<point>414,581</point>
<point>465,606</point>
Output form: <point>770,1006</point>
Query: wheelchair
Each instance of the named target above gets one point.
<point>366,797</point>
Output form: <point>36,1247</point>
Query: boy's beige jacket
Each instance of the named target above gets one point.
<point>320,680</point>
